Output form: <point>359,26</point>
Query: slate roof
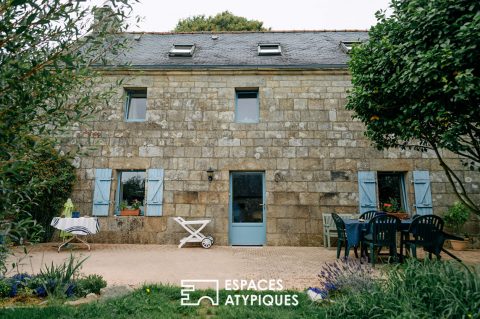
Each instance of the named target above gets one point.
<point>300,49</point>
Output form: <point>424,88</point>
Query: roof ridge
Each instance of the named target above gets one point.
<point>243,32</point>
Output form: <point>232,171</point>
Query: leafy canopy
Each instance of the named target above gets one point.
<point>224,21</point>
<point>416,82</point>
<point>49,82</point>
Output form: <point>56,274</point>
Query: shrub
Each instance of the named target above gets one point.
<point>59,279</point>
<point>456,217</point>
<point>38,184</point>
<point>427,289</point>
<point>89,284</point>
<point>4,288</point>
<point>346,275</point>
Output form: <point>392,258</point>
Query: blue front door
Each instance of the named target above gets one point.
<point>247,208</point>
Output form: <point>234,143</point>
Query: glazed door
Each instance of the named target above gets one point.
<point>247,222</point>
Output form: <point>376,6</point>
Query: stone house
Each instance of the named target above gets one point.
<point>248,129</point>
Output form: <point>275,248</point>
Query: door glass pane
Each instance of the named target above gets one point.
<point>247,198</point>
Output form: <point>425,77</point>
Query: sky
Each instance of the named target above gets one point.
<point>278,14</point>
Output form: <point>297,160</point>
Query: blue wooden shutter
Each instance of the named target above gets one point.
<point>154,192</point>
<point>423,193</point>
<point>367,191</point>
<point>101,194</point>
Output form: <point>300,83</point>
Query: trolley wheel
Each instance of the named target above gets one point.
<point>211,238</point>
<point>206,243</point>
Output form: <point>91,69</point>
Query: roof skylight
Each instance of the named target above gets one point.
<point>182,50</point>
<point>269,49</point>
<point>347,46</point>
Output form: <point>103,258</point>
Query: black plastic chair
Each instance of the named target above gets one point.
<point>382,232</point>
<point>368,215</point>
<point>342,236</point>
<point>427,231</point>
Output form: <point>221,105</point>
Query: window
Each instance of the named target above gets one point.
<point>136,105</point>
<point>269,49</point>
<point>131,188</point>
<point>391,190</point>
<point>182,50</point>
<point>347,46</point>
<point>247,109</point>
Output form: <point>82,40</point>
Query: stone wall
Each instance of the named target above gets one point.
<point>306,142</point>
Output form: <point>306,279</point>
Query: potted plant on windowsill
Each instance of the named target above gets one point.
<point>455,218</point>
<point>133,210</point>
<point>393,208</point>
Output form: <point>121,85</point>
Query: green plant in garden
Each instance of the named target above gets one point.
<point>416,83</point>
<point>456,217</point>
<point>4,288</point>
<point>89,284</point>
<point>418,289</point>
<point>51,56</point>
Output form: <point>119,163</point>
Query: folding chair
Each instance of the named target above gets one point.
<point>194,227</point>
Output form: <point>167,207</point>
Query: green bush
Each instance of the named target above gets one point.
<point>89,284</point>
<point>36,182</point>
<point>4,288</point>
<point>456,217</point>
<point>428,289</point>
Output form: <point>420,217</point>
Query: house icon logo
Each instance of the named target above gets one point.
<point>189,286</point>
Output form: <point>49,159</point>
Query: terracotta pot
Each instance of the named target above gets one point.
<point>400,215</point>
<point>130,212</point>
<point>459,244</point>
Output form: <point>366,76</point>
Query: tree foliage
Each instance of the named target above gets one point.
<point>416,82</point>
<point>224,21</point>
<point>49,50</point>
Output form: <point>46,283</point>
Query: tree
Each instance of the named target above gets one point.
<point>225,21</point>
<point>416,83</point>
<point>50,51</point>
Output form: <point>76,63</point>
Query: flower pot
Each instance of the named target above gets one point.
<point>399,215</point>
<point>130,212</point>
<point>459,244</point>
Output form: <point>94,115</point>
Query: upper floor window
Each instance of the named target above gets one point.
<point>136,105</point>
<point>247,107</point>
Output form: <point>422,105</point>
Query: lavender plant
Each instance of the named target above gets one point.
<point>347,275</point>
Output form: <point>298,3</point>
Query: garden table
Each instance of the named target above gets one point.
<point>81,226</point>
<point>354,229</point>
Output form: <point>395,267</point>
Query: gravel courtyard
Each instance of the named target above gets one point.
<point>135,265</point>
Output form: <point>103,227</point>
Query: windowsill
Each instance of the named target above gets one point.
<point>135,121</point>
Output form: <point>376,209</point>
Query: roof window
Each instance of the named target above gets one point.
<point>347,46</point>
<point>182,50</point>
<point>269,49</point>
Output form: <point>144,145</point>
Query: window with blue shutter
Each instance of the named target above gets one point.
<point>154,192</point>
<point>423,193</point>
<point>101,194</point>
<point>367,191</point>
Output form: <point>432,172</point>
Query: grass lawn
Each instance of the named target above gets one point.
<point>164,302</point>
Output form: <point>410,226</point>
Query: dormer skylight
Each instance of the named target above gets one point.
<point>184,50</point>
<point>347,46</point>
<point>269,49</point>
